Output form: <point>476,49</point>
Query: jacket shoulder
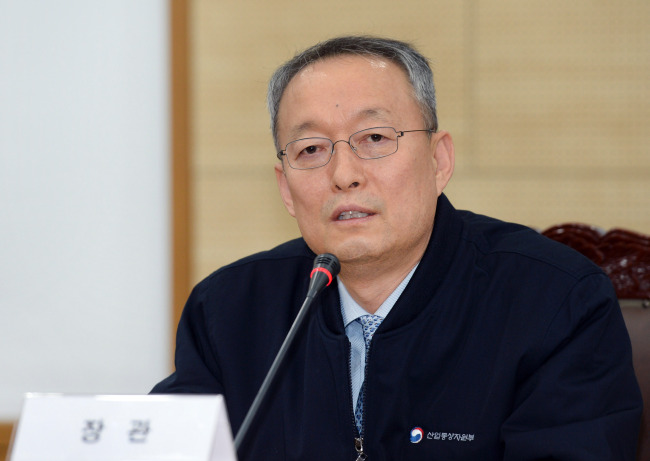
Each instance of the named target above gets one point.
<point>269,267</point>
<point>495,238</point>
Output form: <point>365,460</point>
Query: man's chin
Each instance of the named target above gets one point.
<point>353,252</point>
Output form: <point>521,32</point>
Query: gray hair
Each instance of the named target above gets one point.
<point>403,54</point>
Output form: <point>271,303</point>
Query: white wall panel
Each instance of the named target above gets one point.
<point>84,197</point>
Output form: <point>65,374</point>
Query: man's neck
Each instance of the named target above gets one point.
<point>369,286</point>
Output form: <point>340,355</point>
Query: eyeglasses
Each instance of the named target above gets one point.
<point>368,144</point>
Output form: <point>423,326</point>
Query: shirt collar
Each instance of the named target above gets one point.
<point>351,310</point>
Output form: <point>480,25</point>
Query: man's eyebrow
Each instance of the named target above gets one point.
<point>297,132</point>
<point>378,114</point>
<point>374,113</point>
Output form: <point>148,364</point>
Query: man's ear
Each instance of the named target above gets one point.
<point>283,185</point>
<point>444,157</point>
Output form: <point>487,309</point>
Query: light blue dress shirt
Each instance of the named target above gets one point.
<point>351,311</point>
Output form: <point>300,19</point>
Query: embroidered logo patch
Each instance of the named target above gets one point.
<point>416,434</point>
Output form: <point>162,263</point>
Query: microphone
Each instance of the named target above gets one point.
<point>326,267</point>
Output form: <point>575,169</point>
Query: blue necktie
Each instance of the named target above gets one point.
<point>369,324</point>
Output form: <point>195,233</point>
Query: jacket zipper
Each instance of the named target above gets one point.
<point>358,445</point>
<point>358,441</point>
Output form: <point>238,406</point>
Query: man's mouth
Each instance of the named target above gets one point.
<point>352,214</point>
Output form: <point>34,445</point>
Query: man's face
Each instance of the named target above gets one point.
<point>362,211</point>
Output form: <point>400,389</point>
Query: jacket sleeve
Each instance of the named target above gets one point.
<point>580,400</point>
<point>197,370</point>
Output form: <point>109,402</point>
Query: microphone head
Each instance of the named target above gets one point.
<point>329,262</point>
<point>326,267</point>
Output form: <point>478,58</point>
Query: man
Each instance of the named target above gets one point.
<point>490,341</point>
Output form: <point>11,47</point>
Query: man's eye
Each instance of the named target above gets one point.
<point>310,150</point>
<point>373,138</point>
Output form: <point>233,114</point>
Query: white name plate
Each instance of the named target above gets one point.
<point>123,427</point>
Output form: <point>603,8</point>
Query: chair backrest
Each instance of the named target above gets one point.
<point>637,319</point>
<point>625,257</point>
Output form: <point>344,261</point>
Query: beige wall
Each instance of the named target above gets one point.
<point>548,103</point>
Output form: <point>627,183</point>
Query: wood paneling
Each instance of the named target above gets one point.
<point>5,437</point>
<point>180,157</point>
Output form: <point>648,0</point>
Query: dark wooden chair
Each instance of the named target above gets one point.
<point>625,257</point>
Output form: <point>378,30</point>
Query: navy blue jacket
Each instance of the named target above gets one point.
<point>504,345</point>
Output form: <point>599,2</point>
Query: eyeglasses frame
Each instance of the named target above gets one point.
<point>399,133</point>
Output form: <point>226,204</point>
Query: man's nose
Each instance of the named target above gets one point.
<point>347,170</point>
